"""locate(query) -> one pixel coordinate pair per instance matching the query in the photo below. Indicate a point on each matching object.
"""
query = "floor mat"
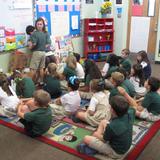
(145, 132)
(66, 135)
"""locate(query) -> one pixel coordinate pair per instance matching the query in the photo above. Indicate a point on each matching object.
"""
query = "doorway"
(152, 27)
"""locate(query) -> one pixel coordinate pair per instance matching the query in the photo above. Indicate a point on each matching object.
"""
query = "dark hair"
(123, 71)
(119, 104)
(97, 85)
(42, 98)
(154, 84)
(138, 72)
(20, 86)
(30, 29)
(77, 56)
(50, 59)
(73, 83)
(92, 70)
(40, 19)
(144, 56)
(4, 83)
(113, 60)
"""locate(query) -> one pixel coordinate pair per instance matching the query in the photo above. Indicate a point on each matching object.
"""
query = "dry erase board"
(15, 15)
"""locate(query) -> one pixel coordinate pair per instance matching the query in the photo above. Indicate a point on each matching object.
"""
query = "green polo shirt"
(68, 72)
(130, 87)
(40, 120)
(126, 64)
(152, 102)
(114, 91)
(111, 70)
(40, 40)
(28, 90)
(87, 80)
(119, 132)
(52, 86)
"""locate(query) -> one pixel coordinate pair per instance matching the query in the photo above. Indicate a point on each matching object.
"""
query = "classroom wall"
(87, 11)
(92, 11)
(120, 24)
(4, 61)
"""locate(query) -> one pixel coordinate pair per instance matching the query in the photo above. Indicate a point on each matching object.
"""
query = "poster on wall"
(118, 1)
(89, 1)
(137, 7)
(119, 12)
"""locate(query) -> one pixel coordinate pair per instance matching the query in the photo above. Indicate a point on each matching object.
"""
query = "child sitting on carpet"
(143, 60)
(150, 107)
(113, 138)
(52, 82)
(8, 98)
(36, 121)
(69, 103)
(79, 69)
(137, 79)
(99, 107)
(91, 72)
(117, 80)
(125, 61)
(24, 83)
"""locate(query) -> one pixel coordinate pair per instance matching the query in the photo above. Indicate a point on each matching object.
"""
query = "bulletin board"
(62, 17)
(15, 15)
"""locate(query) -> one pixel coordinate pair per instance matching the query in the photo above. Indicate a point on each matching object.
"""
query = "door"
(153, 26)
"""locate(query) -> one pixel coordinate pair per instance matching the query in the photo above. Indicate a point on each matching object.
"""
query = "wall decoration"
(119, 12)
(20, 40)
(89, 1)
(137, 7)
(15, 15)
(118, 1)
(62, 16)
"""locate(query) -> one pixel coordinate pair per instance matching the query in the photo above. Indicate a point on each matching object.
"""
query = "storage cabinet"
(98, 38)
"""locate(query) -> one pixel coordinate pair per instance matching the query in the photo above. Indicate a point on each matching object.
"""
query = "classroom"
(79, 79)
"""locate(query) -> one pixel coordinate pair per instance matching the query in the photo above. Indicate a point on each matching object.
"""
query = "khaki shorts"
(104, 148)
(37, 60)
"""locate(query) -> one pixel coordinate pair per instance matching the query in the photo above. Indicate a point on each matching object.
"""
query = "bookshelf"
(98, 38)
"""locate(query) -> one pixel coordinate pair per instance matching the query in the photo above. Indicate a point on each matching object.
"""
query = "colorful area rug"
(66, 135)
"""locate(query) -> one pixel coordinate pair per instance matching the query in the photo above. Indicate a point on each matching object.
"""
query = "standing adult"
(40, 41)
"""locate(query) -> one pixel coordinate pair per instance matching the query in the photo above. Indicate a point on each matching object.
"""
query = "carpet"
(66, 135)
(145, 132)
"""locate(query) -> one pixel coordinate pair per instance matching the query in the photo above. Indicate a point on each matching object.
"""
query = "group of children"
(117, 93)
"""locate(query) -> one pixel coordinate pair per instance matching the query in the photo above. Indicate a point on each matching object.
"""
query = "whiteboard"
(16, 14)
(139, 33)
(60, 23)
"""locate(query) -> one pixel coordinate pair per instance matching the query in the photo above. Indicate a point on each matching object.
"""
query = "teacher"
(40, 41)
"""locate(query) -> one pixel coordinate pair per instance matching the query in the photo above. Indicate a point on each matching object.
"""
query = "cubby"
(98, 37)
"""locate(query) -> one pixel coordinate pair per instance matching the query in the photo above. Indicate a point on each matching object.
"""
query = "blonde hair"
(117, 77)
(52, 69)
(126, 51)
(42, 98)
(71, 62)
